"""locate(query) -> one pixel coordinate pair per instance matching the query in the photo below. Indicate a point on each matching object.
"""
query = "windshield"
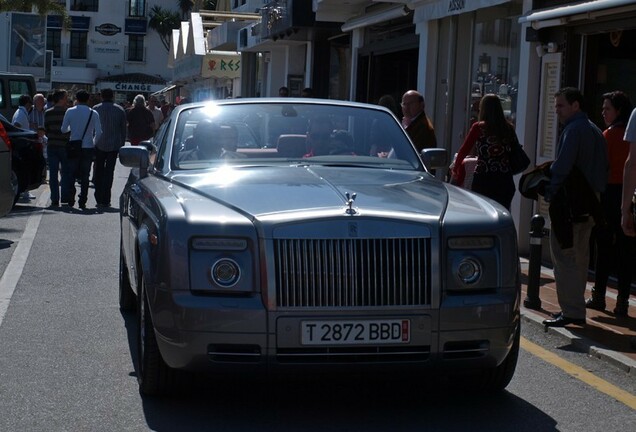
(276, 133)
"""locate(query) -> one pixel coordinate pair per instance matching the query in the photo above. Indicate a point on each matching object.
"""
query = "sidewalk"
(605, 336)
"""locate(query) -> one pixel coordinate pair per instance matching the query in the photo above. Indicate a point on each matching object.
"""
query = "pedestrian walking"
(415, 121)
(491, 139)
(84, 124)
(113, 121)
(56, 149)
(614, 248)
(21, 120)
(577, 177)
(141, 122)
(153, 106)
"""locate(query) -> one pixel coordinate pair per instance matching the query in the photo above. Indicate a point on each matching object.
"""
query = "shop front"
(467, 50)
(127, 86)
(590, 45)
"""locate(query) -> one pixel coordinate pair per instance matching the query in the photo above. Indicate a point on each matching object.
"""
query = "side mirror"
(435, 158)
(135, 157)
(149, 146)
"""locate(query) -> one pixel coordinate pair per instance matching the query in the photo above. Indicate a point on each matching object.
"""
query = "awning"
(576, 12)
(165, 90)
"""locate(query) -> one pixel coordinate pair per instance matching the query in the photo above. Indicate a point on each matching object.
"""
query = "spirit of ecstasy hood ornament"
(351, 198)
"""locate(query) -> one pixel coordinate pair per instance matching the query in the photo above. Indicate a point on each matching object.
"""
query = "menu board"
(547, 135)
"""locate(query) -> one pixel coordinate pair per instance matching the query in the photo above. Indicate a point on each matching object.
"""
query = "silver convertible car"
(277, 235)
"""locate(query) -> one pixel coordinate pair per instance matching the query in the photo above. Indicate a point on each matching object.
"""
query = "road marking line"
(580, 374)
(12, 273)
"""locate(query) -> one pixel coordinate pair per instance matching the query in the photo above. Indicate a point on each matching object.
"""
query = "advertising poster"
(28, 43)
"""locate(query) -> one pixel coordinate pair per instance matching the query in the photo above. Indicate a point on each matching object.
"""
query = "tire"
(127, 300)
(154, 376)
(497, 379)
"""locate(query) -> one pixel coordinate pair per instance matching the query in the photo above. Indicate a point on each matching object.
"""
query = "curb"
(588, 346)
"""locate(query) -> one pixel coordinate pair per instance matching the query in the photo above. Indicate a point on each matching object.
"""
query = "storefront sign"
(102, 50)
(137, 87)
(108, 29)
(221, 66)
(444, 8)
(135, 26)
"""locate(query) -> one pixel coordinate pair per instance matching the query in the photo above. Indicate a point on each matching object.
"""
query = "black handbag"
(74, 147)
(519, 160)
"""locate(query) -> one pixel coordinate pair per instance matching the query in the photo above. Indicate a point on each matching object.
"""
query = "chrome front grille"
(352, 272)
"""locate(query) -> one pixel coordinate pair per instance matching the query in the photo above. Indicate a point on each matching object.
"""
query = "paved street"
(66, 365)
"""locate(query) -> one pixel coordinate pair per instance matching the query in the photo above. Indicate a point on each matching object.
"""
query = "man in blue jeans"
(56, 148)
(84, 124)
(113, 120)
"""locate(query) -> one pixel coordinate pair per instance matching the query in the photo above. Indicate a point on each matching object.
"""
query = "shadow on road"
(327, 403)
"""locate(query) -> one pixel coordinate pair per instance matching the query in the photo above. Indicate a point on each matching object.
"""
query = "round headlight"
(469, 271)
(225, 272)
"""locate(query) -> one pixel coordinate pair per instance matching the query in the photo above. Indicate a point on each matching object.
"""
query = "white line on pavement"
(12, 273)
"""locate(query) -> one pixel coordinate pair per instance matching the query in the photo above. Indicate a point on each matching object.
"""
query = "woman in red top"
(614, 248)
(490, 139)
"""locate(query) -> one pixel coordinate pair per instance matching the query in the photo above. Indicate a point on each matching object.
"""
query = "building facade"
(108, 44)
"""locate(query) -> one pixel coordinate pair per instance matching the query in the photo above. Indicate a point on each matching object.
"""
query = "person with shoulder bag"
(85, 127)
(492, 139)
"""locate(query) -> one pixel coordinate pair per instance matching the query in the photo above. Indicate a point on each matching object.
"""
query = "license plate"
(355, 332)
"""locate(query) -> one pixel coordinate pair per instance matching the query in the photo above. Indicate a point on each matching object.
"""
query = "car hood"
(267, 192)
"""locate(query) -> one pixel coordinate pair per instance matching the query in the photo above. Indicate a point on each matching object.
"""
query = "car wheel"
(15, 186)
(154, 376)
(498, 378)
(126, 294)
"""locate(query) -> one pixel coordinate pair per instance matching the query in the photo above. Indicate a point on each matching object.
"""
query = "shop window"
(85, 5)
(136, 48)
(78, 45)
(137, 8)
(495, 59)
(54, 42)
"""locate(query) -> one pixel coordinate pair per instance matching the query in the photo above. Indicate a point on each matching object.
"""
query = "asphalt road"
(66, 363)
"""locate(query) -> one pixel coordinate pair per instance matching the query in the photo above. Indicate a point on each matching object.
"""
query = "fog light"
(225, 273)
(469, 271)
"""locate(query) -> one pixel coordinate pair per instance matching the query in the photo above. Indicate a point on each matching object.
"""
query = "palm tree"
(163, 21)
(42, 7)
(185, 6)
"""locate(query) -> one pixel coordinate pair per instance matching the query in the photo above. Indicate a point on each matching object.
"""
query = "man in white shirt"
(21, 116)
(84, 124)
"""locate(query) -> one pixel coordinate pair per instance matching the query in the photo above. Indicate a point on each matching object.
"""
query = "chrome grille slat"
(352, 273)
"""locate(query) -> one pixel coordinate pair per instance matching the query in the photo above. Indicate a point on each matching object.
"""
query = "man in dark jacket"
(113, 119)
(583, 146)
(417, 125)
